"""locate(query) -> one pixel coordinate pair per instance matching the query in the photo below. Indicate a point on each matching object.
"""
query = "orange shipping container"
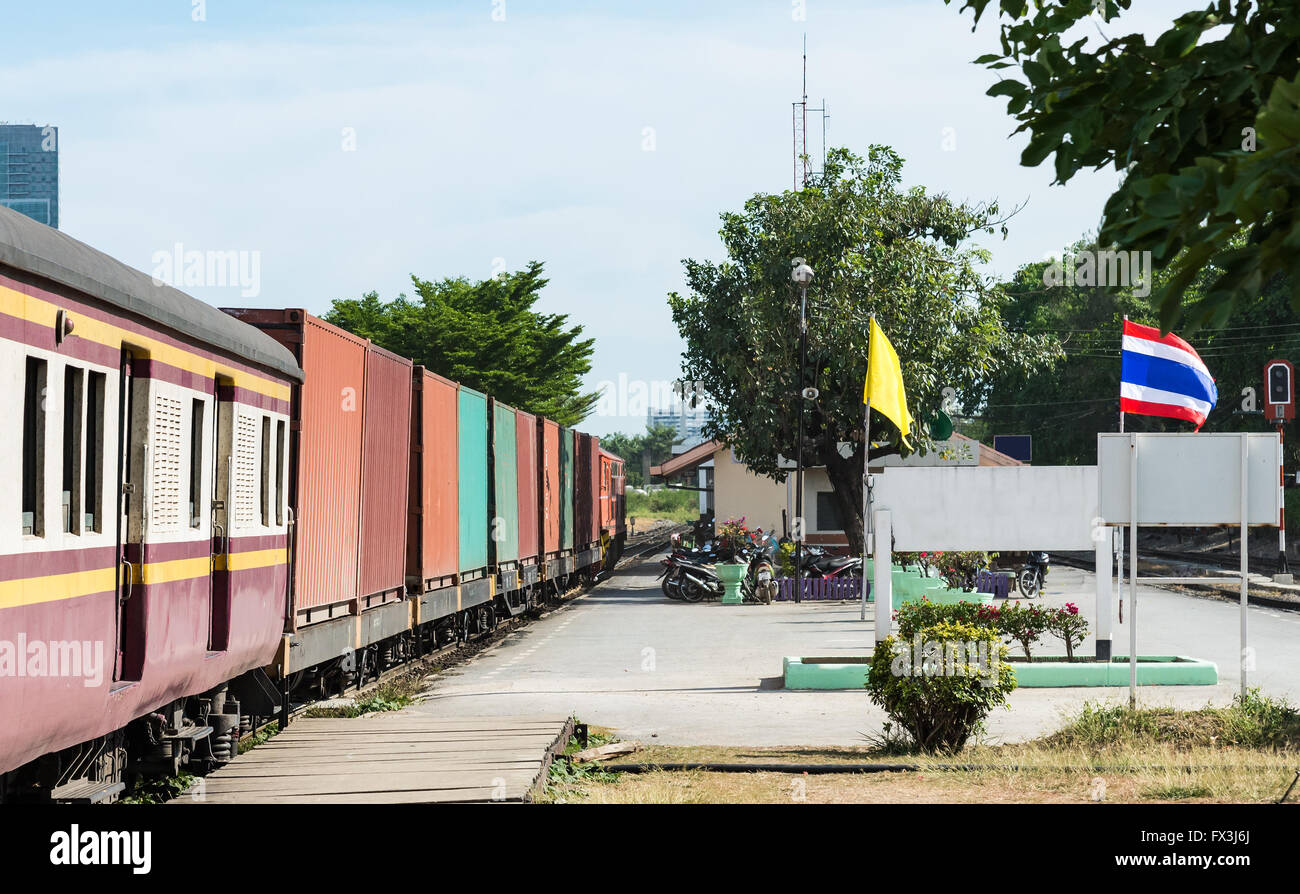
(435, 516)
(529, 495)
(328, 411)
(549, 466)
(384, 467)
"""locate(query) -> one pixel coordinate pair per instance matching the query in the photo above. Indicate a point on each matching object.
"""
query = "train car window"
(279, 472)
(92, 502)
(196, 463)
(266, 471)
(34, 449)
(72, 452)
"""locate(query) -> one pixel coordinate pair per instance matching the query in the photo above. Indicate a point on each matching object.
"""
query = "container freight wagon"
(548, 444)
(568, 468)
(586, 499)
(433, 533)
(613, 522)
(350, 420)
(530, 493)
(515, 505)
(472, 436)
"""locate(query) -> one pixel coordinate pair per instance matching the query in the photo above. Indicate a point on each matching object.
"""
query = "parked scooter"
(1033, 575)
(696, 581)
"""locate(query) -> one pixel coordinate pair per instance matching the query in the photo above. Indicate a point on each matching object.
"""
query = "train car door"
(223, 514)
(129, 661)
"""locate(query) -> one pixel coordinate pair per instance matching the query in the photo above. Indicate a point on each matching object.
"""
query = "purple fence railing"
(996, 582)
(827, 589)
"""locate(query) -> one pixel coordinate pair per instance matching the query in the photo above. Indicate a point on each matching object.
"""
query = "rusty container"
(504, 503)
(328, 413)
(472, 440)
(585, 510)
(433, 535)
(549, 485)
(530, 505)
(385, 464)
(568, 470)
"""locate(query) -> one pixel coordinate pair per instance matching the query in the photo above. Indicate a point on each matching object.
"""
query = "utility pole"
(802, 276)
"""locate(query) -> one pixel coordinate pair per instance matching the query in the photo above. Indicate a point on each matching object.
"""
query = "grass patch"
(568, 781)
(157, 789)
(1248, 752)
(1251, 721)
(389, 697)
(674, 505)
(261, 737)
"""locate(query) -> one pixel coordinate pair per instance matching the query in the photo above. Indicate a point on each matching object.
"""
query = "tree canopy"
(1204, 124)
(485, 335)
(875, 248)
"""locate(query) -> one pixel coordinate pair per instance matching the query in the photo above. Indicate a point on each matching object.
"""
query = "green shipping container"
(472, 440)
(568, 467)
(505, 480)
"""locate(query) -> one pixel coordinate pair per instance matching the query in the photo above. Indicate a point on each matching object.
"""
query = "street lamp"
(802, 276)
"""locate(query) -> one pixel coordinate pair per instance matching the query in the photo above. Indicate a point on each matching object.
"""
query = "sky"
(342, 147)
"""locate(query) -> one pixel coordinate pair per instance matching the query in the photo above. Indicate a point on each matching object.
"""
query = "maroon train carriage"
(143, 548)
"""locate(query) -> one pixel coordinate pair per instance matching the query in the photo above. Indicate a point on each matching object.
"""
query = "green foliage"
(1067, 625)
(785, 559)
(1024, 624)
(157, 789)
(1252, 721)
(941, 710)
(658, 440)
(677, 505)
(1204, 131)
(389, 697)
(875, 248)
(1065, 400)
(485, 335)
(262, 736)
(959, 568)
(912, 617)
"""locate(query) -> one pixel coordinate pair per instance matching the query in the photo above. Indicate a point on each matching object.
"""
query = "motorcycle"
(1033, 575)
(696, 581)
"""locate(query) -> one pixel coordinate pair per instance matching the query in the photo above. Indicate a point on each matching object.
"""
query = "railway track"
(457, 652)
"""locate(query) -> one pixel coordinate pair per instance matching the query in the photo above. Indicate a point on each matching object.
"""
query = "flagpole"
(866, 470)
(1119, 555)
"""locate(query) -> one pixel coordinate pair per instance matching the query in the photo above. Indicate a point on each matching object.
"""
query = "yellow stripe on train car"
(43, 313)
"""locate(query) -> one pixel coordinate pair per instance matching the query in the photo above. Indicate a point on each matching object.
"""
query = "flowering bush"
(958, 569)
(1070, 626)
(1024, 624)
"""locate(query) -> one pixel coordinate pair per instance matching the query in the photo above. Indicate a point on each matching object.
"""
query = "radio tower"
(800, 110)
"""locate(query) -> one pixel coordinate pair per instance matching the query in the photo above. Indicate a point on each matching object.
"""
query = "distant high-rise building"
(29, 171)
(688, 422)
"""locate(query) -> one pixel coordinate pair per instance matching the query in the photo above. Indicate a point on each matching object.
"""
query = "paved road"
(672, 673)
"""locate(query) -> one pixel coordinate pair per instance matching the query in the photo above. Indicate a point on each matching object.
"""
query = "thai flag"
(1162, 375)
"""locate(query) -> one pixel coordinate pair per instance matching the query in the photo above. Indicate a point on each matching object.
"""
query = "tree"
(658, 441)
(485, 335)
(1064, 402)
(1205, 133)
(875, 248)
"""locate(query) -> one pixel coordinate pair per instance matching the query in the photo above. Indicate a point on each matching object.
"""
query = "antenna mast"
(800, 110)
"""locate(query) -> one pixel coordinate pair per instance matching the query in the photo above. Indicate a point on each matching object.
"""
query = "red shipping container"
(434, 535)
(595, 488)
(529, 495)
(550, 485)
(586, 492)
(328, 418)
(385, 464)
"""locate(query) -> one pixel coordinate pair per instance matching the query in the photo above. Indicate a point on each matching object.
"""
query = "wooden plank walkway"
(397, 758)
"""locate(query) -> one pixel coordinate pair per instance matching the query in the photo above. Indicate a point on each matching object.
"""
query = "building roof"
(34, 248)
(684, 462)
(702, 453)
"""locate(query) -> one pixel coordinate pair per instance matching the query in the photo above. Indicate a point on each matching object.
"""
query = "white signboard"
(1188, 478)
(1010, 508)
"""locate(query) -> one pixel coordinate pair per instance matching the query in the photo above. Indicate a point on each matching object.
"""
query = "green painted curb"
(849, 672)
(1152, 670)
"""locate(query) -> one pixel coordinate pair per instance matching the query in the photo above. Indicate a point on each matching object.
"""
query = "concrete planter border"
(850, 672)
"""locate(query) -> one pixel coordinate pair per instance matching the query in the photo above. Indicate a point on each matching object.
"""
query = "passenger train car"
(209, 514)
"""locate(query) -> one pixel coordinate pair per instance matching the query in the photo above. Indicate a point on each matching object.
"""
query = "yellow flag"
(884, 387)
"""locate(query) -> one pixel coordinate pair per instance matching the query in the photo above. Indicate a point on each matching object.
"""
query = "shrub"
(1024, 624)
(959, 569)
(1070, 626)
(941, 697)
(913, 616)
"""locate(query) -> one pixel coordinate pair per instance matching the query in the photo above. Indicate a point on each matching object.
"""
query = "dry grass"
(1016, 773)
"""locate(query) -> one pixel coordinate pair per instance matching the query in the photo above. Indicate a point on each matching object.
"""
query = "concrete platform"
(397, 758)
